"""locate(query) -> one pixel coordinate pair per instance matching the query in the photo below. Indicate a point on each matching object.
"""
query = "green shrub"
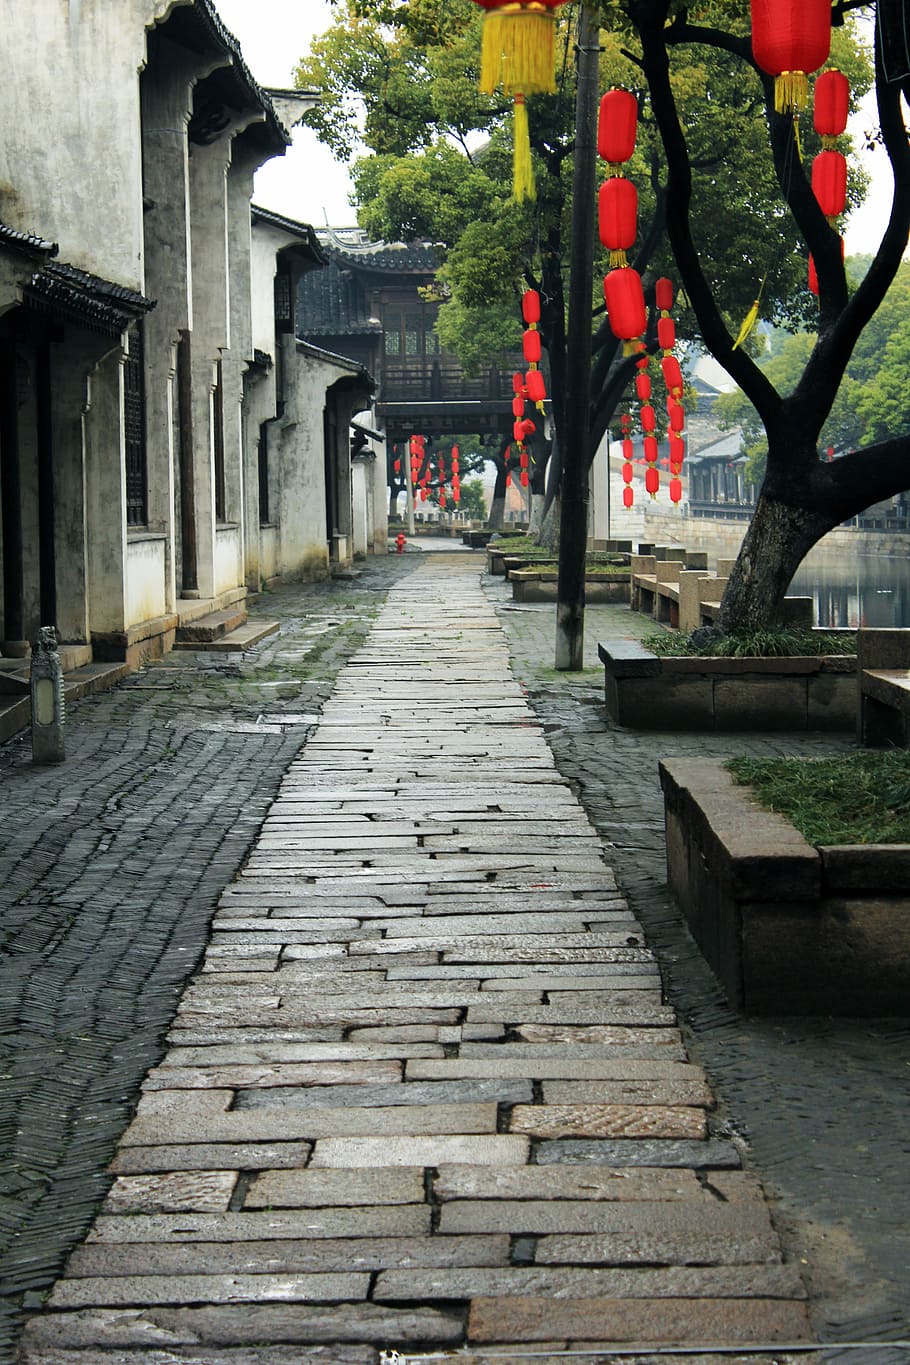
(861, 798)
(753, 644)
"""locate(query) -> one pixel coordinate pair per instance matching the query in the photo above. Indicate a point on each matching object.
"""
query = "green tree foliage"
(473, 502)
(437, 165)
(873, 401)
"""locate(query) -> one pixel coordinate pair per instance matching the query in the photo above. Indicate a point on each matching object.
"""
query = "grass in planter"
(754, 644)
(859, 798)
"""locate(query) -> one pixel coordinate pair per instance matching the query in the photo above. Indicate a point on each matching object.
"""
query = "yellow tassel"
(791, 91)
(618, 260)
(748, 324)
(522, 169)
(518, 51)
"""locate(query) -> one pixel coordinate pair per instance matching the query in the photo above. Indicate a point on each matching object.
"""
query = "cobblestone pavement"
(425, 1092)
(111, 866)
(112, 869)
(823, 1104)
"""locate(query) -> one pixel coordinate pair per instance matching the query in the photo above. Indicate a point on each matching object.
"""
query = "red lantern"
(518, 431)
(530, 306)
(530, 344)
(508, 480)
(628, 497)
(456, 495)
(652, 479)
(518, 382)
(677, 448)
(829, 183)
(617, 125)
(442, 498)
(524, 478)
(627, 448)
(397, 466)
(524, 459)
(831, 104)
(625, 300)
(643, 386)
(628, 472)
(617, 217)
(666, 334)
(675, 490)
(677, 417)
(518, 406)
(672, 373)
(536, 386)
(650, 448)
(663, 294)
(789, 40)
(648, 418)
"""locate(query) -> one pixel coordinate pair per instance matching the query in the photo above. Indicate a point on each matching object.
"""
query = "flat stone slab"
(311, 1189)
(131, 1290)
(172, 1192)
(214, 1156)
(249, 1324)
(306, 1124)
(381, 1096)
(567, 1182)
(551, 1068)
(398, 1220)
(505, 1150)
(205, 1355)
(617, 1321)
(570, 1282)
(288, 1256)
(643, 1152)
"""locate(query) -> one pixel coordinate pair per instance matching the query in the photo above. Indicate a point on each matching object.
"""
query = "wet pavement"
(120, 863)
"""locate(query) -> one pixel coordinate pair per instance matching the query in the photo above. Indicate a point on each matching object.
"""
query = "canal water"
(857, 590)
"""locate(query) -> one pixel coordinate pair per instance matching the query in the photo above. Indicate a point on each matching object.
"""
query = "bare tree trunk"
(778, 539)
(496, 519)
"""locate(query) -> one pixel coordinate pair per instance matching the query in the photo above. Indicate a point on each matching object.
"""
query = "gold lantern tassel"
(751, 317)
(791, 91)
(518, 50)
(522, 169)
(618, 260)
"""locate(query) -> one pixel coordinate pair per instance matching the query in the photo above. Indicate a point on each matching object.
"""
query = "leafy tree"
(802, 496)
(439, 165)
(473, 502)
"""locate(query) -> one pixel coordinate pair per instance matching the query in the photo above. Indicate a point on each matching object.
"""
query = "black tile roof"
(96, 303)
(26, 242)
(353, 248)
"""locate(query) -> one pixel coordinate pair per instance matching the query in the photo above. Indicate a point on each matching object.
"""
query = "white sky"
(309, 185)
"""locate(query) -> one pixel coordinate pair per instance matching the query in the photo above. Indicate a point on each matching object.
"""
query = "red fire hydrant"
(400, 542)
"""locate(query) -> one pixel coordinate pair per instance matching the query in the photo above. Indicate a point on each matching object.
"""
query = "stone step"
(15, 711)
(196, 634)
(243, 637)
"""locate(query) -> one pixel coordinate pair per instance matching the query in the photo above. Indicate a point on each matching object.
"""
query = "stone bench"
(883, 675)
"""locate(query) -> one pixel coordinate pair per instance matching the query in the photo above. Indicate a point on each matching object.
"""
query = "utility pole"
(573, 519)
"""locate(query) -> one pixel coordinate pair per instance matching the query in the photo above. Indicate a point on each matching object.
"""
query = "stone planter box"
(650, 693)
(539, 585)
(785, 927)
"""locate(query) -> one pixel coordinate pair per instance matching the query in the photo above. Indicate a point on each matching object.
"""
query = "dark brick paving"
(110, 867)
(823, 1105)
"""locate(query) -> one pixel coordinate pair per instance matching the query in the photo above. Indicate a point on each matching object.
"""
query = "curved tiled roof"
(352, 247)
(26, 242)
(95, 302)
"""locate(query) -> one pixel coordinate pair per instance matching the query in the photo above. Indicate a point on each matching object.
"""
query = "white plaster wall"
(359, 473)
(146, 595)
(300, 505)
(267, 242)
(227, 558)
(70, 155)
(268, 551)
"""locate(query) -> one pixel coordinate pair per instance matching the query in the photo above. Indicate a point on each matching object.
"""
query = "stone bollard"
(46, 687)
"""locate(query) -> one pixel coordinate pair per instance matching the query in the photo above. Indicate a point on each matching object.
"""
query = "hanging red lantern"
(677, 417)
(536, 386)
(675, 490)
(789, 40)
(829, 183)
(518, 406)
(523, 476)
(456, 495)
(397, 466)
(524, 459)
(643, 386)
(617, 217)
(628, 448)
(625, 300)
(648, 418)
(617, 125)
(672, 374)
(652, 479)
(650, 449)
(442, 497)
(530, 345)
(666, 334)
(518, 382)
(530, 306)
(663, 294)
(628, 472)
(628, 496)
(423, 495)
(813, 274)
(677, 448)
(508, 479)
(831, 105)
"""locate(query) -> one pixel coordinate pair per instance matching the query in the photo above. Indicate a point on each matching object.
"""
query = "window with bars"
(134, 422)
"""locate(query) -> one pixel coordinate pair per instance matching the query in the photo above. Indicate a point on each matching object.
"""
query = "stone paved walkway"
(424, 1091)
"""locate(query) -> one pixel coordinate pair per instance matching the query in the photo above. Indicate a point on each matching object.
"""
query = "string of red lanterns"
(829, 169)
